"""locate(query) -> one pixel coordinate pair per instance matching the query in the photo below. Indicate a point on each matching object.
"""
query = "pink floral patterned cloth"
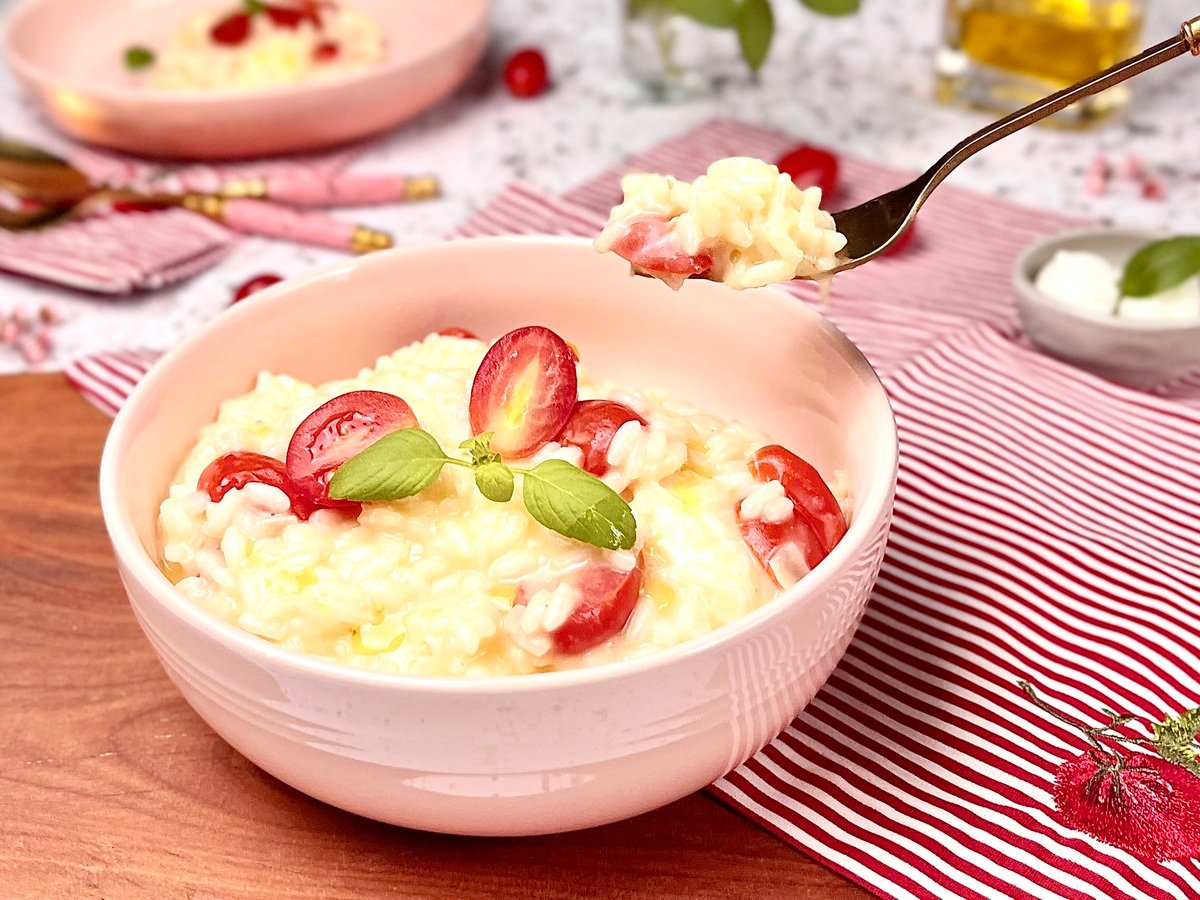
(1017, 715)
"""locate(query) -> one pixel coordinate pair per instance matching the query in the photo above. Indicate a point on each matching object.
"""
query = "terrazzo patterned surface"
(859, 89)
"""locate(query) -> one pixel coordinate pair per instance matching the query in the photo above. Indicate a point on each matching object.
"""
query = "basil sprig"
(1160, 266)
(560, 496)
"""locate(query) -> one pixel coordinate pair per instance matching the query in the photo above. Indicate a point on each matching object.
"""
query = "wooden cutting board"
(111, 787)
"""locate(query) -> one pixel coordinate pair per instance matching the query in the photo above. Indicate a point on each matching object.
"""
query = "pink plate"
(69, 56)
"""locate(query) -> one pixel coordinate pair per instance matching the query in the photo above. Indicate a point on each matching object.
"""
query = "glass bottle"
(1000, 55)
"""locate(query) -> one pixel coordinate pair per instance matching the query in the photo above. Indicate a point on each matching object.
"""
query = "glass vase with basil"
(684, 48)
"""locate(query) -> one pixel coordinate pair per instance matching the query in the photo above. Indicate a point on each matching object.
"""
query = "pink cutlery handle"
(304, 188)
(275, 220)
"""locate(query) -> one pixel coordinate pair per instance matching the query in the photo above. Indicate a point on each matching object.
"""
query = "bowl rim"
(1027, 292)
(26, 68)
(873, 508)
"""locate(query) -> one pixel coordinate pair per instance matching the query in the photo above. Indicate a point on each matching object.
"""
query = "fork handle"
(1188, 40)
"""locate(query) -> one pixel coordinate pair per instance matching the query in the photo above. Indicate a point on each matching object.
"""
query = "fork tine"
(871, 226)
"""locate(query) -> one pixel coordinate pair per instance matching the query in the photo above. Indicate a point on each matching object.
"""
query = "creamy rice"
(426, 585)
(271, 55)
(758, 227)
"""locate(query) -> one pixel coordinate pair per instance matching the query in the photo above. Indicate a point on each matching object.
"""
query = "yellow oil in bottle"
(1002, 54)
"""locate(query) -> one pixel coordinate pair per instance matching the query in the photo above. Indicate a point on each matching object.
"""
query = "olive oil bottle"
(1003, 54)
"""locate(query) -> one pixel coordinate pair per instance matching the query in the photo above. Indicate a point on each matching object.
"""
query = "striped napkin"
(118, 253)
(1017, 716)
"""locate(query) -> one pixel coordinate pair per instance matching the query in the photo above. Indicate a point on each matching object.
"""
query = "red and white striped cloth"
(1045, 531)
(1045, 528)
(107, 379)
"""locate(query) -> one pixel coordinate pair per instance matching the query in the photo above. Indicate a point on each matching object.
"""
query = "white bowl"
(1135, 352)
(68, 55)
(522, 754)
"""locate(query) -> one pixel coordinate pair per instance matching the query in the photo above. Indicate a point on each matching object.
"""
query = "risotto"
(462, 577)
(265, 44)
(743, 223)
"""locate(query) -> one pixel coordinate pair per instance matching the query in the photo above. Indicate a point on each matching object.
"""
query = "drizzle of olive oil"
(173, 571)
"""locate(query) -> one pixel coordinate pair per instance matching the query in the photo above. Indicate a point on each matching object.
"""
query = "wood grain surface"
(111, 787)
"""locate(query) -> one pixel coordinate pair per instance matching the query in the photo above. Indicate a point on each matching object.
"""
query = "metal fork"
(871, 227)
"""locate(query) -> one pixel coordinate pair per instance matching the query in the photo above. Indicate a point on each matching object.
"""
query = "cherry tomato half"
(326, 51)
(336, 431)
(591, 428)
(607, 597)
(805, 488)
(524, 390)
(231, 30)
(292, 16)
(458, 333)
(791, 548)
(652, 247)
(234, 471)
(811, 166)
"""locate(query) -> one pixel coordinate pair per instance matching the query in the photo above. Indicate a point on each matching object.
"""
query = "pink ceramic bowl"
(68, 55)
(523, 754)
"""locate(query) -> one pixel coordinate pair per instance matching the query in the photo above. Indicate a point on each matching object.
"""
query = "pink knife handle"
(278, 221)
(303, 188)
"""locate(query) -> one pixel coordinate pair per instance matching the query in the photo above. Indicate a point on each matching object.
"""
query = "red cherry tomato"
(591, 428)
(234, 471)
(526, 74)
(793, 547)
(284, 16)
(651, 246)
(524, 390)
(336, 431)
(292, 16)
(811, 167)
(607, 597)
(906, 238)
(231, 30)
(326, 51)
(805, 488)
(254, 285)
(458, 333)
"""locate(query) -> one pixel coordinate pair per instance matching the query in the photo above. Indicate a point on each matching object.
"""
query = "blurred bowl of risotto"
(448, 707)
(223, 79)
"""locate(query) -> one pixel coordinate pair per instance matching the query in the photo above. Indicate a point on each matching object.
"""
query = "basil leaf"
(832, 7)
(755, 26)
(138, 57)
(577, 505)
(397, 465)
(479, 448)
(495, 481)
(1160, 266)
(254, 7)
(714, 13)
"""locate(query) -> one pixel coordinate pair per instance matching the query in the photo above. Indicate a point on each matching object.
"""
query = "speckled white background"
(862, 85)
